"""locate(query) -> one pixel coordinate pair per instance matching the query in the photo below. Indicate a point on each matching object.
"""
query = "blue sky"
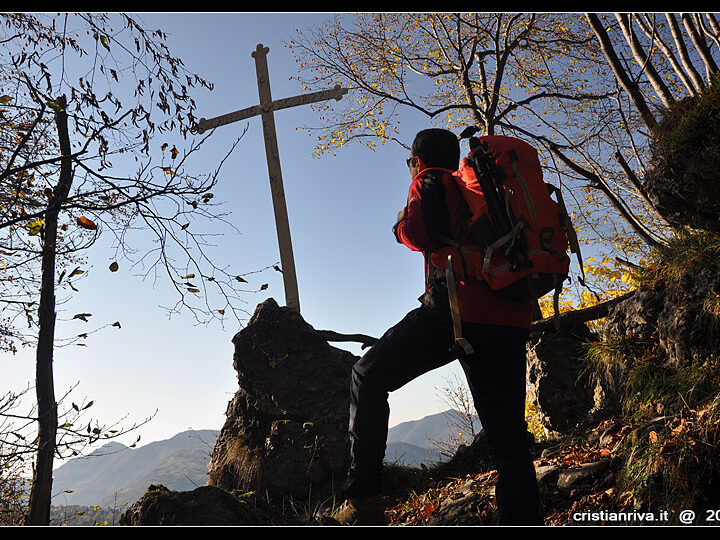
(353, 277)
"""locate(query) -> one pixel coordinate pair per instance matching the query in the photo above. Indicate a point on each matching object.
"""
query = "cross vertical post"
(265, 110)
(282, 226)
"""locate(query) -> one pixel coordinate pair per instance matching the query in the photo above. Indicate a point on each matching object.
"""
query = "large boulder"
(559, 385)
(671, 322)
(285, 432)
(204, 506)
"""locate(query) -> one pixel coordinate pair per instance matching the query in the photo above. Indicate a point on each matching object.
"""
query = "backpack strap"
(461, 346)
(523, 185)
(569, 229)
(505, 239)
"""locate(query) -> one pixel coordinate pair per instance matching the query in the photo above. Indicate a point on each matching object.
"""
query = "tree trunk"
(701, 46)
(643, 61)
(682, 50)
(632, 89)
(598, 183)
(650, 31)
(41, 493)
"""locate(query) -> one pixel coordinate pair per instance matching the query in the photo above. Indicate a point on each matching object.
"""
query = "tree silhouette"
(85, 98)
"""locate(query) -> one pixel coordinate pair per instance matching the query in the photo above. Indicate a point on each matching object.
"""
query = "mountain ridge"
(113, 468)
(116, 475)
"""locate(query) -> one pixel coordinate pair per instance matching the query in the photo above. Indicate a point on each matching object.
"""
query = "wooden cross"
(265, 110)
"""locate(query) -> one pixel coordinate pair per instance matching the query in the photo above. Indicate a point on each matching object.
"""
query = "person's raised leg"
(417, 344)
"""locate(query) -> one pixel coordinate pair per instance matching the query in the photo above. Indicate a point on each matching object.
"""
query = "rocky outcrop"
(285, 432)
(560, 389)
(671, 316)
(684, 198)
(204, 506)
(682, 181)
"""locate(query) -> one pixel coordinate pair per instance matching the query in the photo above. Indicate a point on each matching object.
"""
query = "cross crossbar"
(336, 93)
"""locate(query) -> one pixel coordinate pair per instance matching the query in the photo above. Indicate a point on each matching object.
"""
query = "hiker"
(496, 328)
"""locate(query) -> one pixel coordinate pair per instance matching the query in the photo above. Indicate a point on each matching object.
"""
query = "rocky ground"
(575, 476)
(656, 375)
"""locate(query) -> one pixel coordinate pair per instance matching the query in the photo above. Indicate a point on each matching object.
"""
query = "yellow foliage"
(445, 66)
(532, 419)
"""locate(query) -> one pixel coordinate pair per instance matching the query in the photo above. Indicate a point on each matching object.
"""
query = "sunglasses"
(410, 161)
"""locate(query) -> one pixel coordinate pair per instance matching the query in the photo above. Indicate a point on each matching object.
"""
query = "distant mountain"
(114, 475)
(416, 442)
(400, 453)
(429, 430)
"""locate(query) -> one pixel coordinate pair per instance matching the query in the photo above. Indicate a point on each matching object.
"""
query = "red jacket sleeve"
(411, 231)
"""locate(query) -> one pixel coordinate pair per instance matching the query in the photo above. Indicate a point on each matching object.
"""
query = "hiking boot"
(362, 511)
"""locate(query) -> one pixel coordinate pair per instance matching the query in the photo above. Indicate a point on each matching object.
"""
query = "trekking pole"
(490, 177)
(487, 173)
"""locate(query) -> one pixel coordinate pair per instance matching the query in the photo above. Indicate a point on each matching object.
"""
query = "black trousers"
(495, 373)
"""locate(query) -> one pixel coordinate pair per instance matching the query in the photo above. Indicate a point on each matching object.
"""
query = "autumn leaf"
(240, 280)
(263, 287)
(76, 272)
(85, 223)
(221, 311)
(680, 428)
(193, 290)
(163, 147)
(82, 316)
(116, 324)
(104, 41)
(114, 266)
(173, 152)
(34, 227)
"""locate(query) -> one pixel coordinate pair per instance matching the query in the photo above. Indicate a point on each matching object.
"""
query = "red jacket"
(435, 205)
